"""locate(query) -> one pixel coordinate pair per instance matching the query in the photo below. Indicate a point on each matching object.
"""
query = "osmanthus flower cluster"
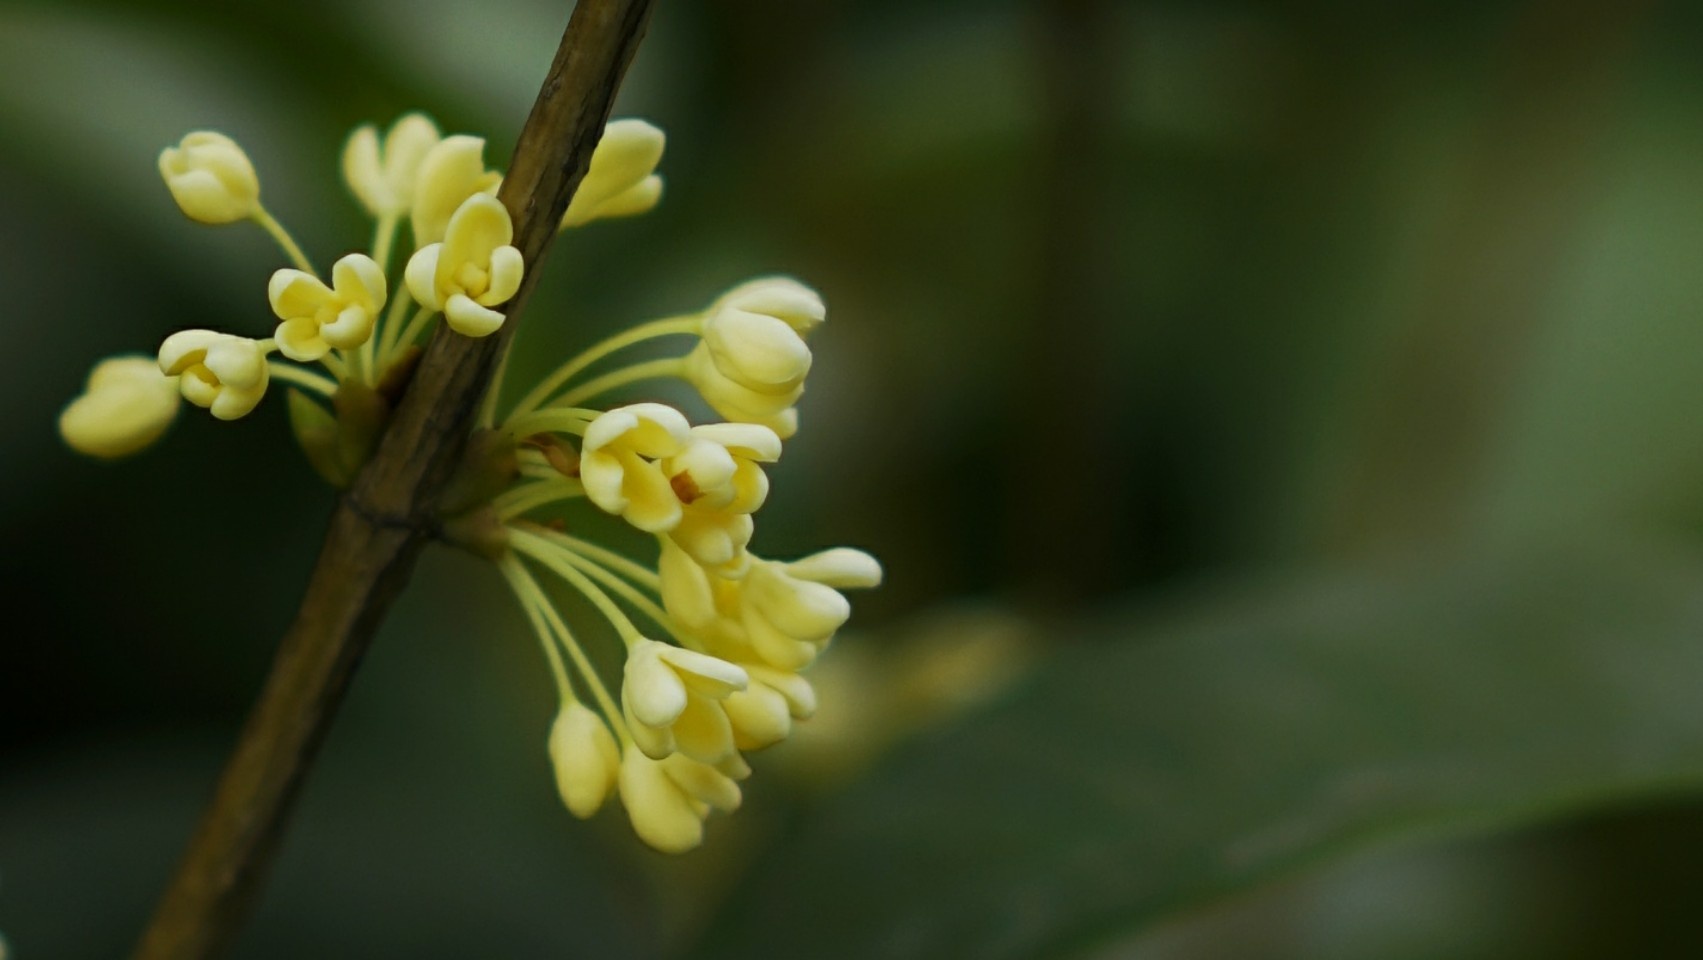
(713, 636)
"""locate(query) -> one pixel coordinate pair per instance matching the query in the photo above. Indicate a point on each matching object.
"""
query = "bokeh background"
(1279, 422)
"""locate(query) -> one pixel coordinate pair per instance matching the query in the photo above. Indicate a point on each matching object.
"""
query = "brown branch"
(388, 514)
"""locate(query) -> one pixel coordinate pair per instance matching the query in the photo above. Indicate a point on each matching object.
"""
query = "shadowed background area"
(1278, 421)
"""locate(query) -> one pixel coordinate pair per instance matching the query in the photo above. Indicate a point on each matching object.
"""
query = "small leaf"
(316, 431)
(361, 416)
(1252, 734)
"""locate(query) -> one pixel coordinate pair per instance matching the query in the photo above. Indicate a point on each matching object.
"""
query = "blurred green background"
(1278, 420)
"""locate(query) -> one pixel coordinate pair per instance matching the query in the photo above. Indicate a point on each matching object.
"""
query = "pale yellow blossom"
(719, 481)
(225, 374)
(755, 333)
(472, 270)
(211, 178)
(672, 699)
(619, 463)
(382, 176)
(621, 180)
(585, 757)
(126, 405)
(317, 318)
(451, 171)
(667, 800)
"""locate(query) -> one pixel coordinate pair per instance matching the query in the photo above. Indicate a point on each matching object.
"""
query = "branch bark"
(383, 521)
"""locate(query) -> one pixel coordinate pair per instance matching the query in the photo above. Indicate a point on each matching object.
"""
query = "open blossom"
(211, 178)
(667, 800)
(585, 757)
(472, 270)
(382, 175)
(720, 483)
(451, 171)
(621, 180)
(783, 613)
(317, 318)
(126, 406)
(619, 463)
(672, 698)
(720, 466)
(223, 373)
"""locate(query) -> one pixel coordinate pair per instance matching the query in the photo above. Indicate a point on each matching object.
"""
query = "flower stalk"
(388, 514)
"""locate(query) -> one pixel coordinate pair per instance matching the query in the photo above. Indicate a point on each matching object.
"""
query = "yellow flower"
(450, 173)
(713, 610)
(618, 463)
(671, 697)
(585, 757)
(791, 610)
(317, 318)
(382, 177)
(755, 333)
(781, 614)
(211, 178)
(224, 373)
(718, 467)
(472, 270)
(719, 483)
(667, 800)
(126, 406)
(620, 181)
(762, 713)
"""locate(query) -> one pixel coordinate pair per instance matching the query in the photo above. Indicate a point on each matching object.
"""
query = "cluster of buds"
(462, 269)
(714, 637)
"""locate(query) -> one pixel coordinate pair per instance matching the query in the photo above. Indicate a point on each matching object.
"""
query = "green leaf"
(1245, 736)
(316, 431)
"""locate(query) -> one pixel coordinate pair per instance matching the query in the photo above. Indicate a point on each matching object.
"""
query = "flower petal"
(469, 319)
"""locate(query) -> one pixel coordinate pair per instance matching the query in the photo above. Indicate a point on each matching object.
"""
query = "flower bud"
(211, 178)
(739, 403)
(126, 406)
(620, 182)
(585, 757)
(755, 333)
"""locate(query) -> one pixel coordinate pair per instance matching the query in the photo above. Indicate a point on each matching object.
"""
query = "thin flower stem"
(555, 558)
(513, 503)
(411, 332)
(301, 377)
(533, 594)
(271, 225)
(626, 591)
(384, 236)
(553, 420)
(668, 326)
(488, 404)
(635, 572)
(338, 368)
(649, 370)
(399, 304)
(515, 575)
(534, 466)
